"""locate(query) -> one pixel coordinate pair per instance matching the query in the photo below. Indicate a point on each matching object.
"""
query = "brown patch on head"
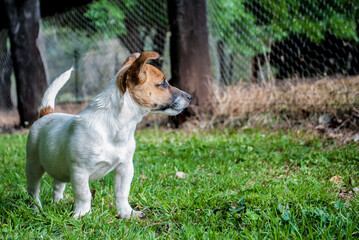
(46, 110)
(138, 69)
(149, 93)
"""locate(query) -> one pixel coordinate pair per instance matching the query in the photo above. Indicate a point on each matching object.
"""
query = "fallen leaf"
(143, 177)
(180, 175)
(337, 180)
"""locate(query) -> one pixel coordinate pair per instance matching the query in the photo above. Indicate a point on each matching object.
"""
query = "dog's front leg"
(122, 179)
(82, 194)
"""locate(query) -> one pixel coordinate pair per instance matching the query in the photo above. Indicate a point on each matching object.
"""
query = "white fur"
(49, 97)
(84, 147)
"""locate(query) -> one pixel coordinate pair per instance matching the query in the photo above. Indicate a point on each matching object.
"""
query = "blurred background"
(276, 63)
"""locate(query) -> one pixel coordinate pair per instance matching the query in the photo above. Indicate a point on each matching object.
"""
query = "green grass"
(238, 185)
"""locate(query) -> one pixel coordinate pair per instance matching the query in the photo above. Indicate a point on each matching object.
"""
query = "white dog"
(87, 146)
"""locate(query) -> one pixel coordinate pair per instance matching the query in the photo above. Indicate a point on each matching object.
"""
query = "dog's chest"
(112, 154)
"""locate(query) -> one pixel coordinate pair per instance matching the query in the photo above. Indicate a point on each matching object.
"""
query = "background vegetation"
(258, 41)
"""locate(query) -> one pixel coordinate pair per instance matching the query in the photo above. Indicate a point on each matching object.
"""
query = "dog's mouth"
(174, 108)
(179, 101)
(170, 109)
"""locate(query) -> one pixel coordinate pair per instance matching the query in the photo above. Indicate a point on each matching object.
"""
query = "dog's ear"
(137, 71)
(121, 78)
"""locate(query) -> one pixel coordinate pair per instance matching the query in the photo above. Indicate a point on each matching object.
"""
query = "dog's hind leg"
(82, 194)
(59, 188)
(34, 172)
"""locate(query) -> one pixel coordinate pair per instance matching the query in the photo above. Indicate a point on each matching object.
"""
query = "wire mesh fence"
(80, 38)
(260, 39)
(254, 41)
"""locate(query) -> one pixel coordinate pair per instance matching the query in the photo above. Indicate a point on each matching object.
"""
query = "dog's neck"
(114, 110)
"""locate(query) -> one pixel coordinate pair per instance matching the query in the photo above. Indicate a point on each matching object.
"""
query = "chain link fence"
(254, 41)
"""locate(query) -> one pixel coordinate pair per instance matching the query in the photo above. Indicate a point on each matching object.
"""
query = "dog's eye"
(163, 84)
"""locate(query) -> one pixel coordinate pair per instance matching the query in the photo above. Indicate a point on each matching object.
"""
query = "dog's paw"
(36, 206)
(78, 213)
(131, 214)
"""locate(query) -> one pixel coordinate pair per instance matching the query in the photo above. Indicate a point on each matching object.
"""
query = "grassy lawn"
(237, 184)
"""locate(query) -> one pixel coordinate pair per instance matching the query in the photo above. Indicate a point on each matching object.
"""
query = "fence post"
(76, 57)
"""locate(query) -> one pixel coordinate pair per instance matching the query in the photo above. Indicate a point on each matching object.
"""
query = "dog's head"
(148, 86)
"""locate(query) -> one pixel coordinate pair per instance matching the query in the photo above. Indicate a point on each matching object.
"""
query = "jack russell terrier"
(84, 147)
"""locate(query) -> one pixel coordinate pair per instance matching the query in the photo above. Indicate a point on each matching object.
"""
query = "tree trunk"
(190, 60)
(5, 74)
(24, 25)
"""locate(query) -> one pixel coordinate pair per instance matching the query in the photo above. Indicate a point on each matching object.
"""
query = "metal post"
(76, 56)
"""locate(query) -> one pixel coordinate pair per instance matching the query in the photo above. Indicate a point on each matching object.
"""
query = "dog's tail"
(48, 101)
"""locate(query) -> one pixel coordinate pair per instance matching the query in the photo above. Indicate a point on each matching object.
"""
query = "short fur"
(87, 146)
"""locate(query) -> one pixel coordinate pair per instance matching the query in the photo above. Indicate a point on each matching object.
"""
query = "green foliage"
(107, 17)
(232, 23)
(249, 27)
(237, 185)
(311, 18)
(140, 12)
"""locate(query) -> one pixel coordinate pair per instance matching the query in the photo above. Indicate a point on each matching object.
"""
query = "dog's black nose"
(189, 97)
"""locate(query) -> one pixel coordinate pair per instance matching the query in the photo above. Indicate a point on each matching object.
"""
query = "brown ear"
(137, 70)
(121, 78)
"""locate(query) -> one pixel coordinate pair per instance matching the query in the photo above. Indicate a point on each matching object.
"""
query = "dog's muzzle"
(179, 102)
